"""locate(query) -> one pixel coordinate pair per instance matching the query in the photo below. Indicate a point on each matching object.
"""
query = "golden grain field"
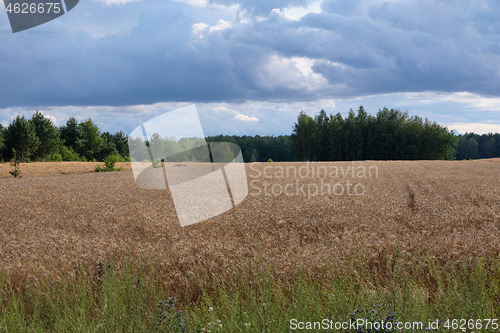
(61, 215)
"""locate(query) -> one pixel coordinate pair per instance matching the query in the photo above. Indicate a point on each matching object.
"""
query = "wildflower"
(210, 309)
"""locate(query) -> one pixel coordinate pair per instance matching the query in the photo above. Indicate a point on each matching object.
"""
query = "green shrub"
(120, 158)
(68, 154)
(55, 157)
(64, 154)
(109, 165)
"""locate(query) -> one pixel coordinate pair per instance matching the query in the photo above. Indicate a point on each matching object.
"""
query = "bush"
(109, 162)
(55, 157)
(68, 154)
(109, 165)
(118, 157)
(64, 154)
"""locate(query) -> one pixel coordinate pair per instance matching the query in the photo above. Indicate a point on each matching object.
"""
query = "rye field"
(313, 245)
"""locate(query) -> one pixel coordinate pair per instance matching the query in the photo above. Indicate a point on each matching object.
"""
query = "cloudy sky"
(250, 66)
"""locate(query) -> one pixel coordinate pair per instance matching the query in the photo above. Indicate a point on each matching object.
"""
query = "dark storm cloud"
(145, 52)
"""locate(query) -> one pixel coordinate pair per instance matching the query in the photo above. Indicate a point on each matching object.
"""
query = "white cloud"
(224, 109)
(475, 101)
(478, 128)
(292, 73)
(197, 3)
(199, 30)
(221, 25)
(243, 117)
(296, 13)
(50, 117)
(237, 115)
(9, 114)
(469, 99)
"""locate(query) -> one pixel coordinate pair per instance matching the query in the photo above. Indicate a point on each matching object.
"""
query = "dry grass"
(38, 169)
(445, 210)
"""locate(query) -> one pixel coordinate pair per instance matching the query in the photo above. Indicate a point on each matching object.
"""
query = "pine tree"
(21, 137)
(47, 134)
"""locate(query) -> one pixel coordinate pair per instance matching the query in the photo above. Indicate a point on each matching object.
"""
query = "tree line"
(260, 148)
(388, 135)
(253, 148)
(38, 139)
(474, 146)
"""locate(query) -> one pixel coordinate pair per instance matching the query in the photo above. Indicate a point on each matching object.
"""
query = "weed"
(170, 319)
(373, 321)
(101, 271)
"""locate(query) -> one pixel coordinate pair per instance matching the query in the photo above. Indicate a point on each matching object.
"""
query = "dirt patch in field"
(445, 210)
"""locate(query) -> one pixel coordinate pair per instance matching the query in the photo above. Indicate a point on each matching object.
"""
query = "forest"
(389, 135)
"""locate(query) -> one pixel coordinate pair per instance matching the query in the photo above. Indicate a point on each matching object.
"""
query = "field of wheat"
(61, 216)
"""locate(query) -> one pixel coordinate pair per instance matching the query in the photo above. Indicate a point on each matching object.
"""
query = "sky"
(250, 66)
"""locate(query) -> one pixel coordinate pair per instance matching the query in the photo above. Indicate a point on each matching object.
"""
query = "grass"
(422, 243)
(133, 297)
(109, 165)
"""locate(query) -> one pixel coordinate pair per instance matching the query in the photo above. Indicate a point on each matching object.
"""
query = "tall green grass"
(134, 298)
